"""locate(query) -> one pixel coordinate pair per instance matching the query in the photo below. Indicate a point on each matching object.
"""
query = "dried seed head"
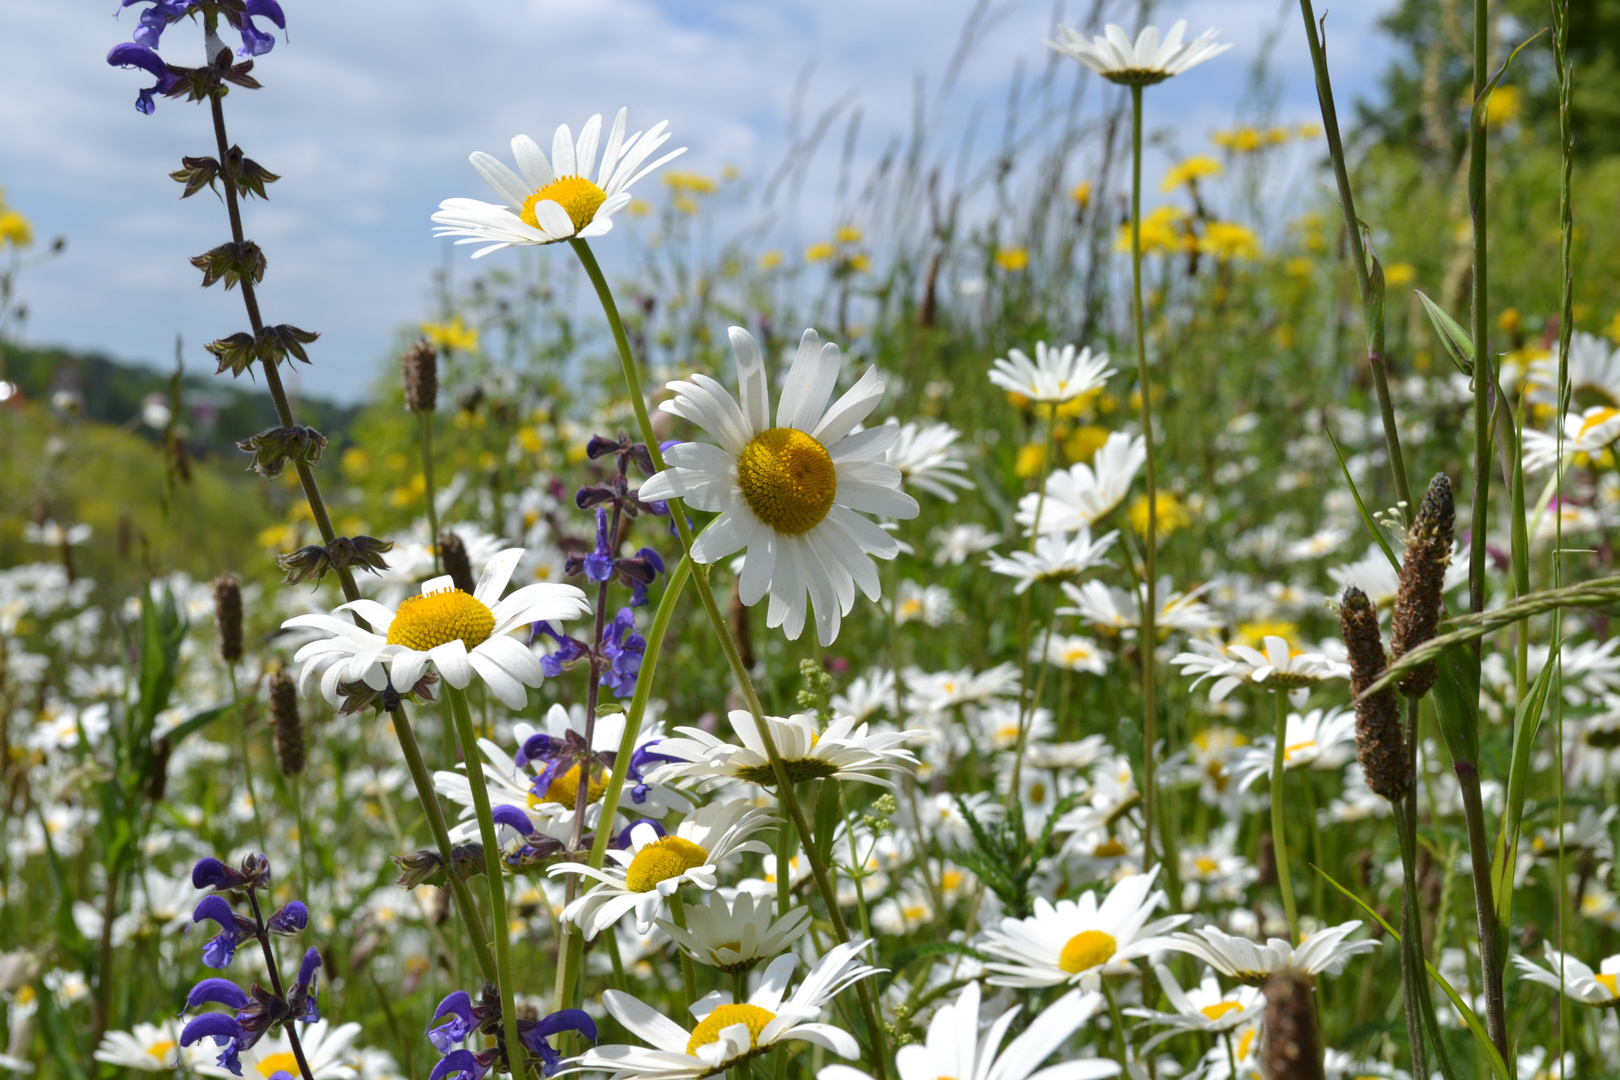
(285, 724)
(1423, 574)
(421, 368)
(1380, 745)
(228, 617)
(1265, 863)
(1292, 1049)
(453, 557)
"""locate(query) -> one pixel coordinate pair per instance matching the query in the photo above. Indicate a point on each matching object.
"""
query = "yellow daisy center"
(1219, 1009)
(1293, 748)
(564, 789)
(578, 197)
(432, 619)
(161, 1050)
(664, 858)
(1598, 418)
(274, 1063)
(788, 479)
(1086, 950)
(723, 1017)
(1206, 865)
(1607, 982)
(1108, 849)
(1246, 1042)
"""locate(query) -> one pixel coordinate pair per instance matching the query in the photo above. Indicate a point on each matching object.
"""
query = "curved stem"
(1150, 606)
(1279, 838)
(456, 700)
(728, 645)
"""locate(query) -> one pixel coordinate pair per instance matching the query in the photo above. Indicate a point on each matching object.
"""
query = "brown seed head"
(1423, 574)
(421, 369)
(285, 724)
(1292, 1050)
(228, 617)
(453, 557)
(1380, 745)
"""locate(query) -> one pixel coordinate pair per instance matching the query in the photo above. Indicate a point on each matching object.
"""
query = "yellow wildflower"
(1504, 106)
(686, 204)
(1253, 634)
(729, 172)
(820, 252)
(695, 183)
(1030, 456)
(1083, 406)
(1170, 517)
(1509, 321)
(354, 462)
(1227, 240)
(1299, 267)
(1081, 194)
(454, 334)
(1162, 231)
(849, 234)
(1398, 274)
(860, 262)
(15, 229)
(1083, 445)
(770, 260)
(1012, 259)
(1309, 130)
(1276, 135)
(1244, 140)
(1190, 171)
(639, 207)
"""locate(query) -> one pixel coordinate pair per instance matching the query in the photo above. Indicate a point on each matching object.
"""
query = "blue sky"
(372, 106)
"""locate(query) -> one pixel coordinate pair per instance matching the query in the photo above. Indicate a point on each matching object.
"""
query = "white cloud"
(371, 108)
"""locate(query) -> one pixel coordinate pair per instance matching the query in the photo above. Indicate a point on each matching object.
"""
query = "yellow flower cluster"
(1189, 171)
(15, 230)
(838, 250)
(454, 334)
(1249, 140)
(1170, 515)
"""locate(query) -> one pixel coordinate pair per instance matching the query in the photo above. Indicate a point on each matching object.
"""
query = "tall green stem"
(457, 702)
(1279, 837)
(728, 645)
(677, 915)
(1149, 638)
(1478, 140)
(424, 438)
(247, 762)
(1028, 702)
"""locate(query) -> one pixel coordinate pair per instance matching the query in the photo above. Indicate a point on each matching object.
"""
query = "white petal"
(531, 160)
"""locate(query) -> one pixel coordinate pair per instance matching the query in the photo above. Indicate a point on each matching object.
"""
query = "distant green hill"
(216, 410)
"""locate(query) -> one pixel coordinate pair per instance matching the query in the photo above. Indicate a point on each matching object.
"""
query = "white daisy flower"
(1073, 653)
(736, 936)
(1320, 739)
(1206, 1008)
(925, 459)
(460, 634)
(1114, 611)
(655, 867)
(1054, 376)
(327, 1049)
(959, 543)
(845, 750)
(1079, 497)
(1056, 558)
(1589, 432)
(1251, 963)
(1594, 371)
(1078, 941)
(1373, 575)
(147, 1048)
(727, 1031)
(793, 494)
(953, 1048)
(931, 605)
(866, 695)
(934, 695)
(554, 200)
(1575, 979)
(1279, 667)
(1144, 62)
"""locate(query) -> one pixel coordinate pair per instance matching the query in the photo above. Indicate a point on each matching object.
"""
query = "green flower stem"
(677, 915)
(1122, 1052)
(1148, 640)
(784, 864)
(441, 838)
(1279, 838)
(247, 764)
(424, 439)
(456, 700)
(728, 645)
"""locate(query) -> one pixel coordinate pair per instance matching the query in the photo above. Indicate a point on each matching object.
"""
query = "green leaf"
(1366, 518)
(1456, 693)
(1459, 345)
(1526, 726)
(196, 722)
(1488, 1048)
(1372, 308)
(1476, 118)
(828, 814)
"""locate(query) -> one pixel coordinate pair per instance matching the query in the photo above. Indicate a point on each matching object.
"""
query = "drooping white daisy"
(1319, 739)
(1054, 376)
(1251, 963)
(1056, 558)
(1147, 60)
(1279, 667)
(1206, 1008)
(655, 867)
(556, 199)
(736, 936)
(953, 1049)
(792, 494)
(1590, 432)
(1079, 497)
(147, 1048)
(925, 459)
(728, 1032)
(845, 750)
(460, 634)
(1573, 978)
(1078, 941)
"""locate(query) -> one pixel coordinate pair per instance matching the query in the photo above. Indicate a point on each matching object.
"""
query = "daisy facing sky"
(554, 199)
(792, 494)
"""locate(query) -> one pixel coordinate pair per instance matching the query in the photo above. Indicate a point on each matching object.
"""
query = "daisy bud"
(1423, 573)
(1380, 746)
(421, 368)
(453, 557)
(1292, 1050)
(285, 724)
(228, 617)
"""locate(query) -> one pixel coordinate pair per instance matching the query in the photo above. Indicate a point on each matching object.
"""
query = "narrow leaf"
(1366, 518)
(1459, 345)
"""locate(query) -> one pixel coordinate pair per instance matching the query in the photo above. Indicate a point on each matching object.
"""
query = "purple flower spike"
(599, 563)
(216, 992)
(565, 1020)
(460, 1065)
(290, 919)
(513, 819)
(256, 42)
(224, 1030)
(221, 948)
(139, 56)
(461, 1023)
(210, 873)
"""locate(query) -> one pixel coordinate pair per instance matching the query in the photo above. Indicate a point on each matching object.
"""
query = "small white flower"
(1574, 979)
(845, 750)
(736, 936)
(1054, 376)
(960, 543)
(1251, 963)
(1590, 432)
(925, 459)
(1277, 668)
(1114, 611)
(931, 605)
(1320, 739)
(1079, 497)
(1056, 558)
(1206, 1009)
(1147, 60)
(147, 1048)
